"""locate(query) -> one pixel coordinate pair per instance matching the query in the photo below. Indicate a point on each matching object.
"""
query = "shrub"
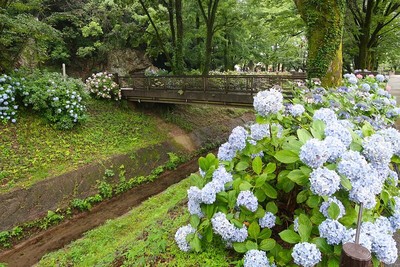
(59, 99)
(102, 85)
(9, 88)
(286, 190)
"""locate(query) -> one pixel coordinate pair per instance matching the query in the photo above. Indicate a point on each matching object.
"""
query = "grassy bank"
(31, 150)
(143, 237)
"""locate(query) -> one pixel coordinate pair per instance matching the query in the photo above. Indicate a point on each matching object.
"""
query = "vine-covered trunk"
(325, 21)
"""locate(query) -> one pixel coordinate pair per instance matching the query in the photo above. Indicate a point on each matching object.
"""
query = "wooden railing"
(235, 90)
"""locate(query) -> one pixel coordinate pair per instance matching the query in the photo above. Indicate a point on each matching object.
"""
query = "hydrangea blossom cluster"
(333, 165)
(324, 182)
(377, 150)
(340, 132)
(8, 91)
(326, 115)
(248, 200)
(102, 85)
(296, 110)
(194, 201)
(314, 153)
(306, 254)
(333, 231)
(268, 221)
(226, 230)
(268, 102)
(256, 258)
(180, 237)
(335, 148)
(259, 131)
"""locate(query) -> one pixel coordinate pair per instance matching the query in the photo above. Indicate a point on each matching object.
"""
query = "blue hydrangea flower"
(296, 224)
(226, 230)
(324, 182)
(210, 190)
(259, 131)
(237, 138)
(380, 78)
(221, 175)
(333, 231)
(395, 221)
(335, 148)
(392, 136)
(326, 115)
(362, 195)
(306, 254)
(226, 152)
(248, 200)
(256, 258)
(383, 225)
(268, 221)
(352, 165)
(296, 110)
(384, 247)
(365, 87)
(180, 237)
(364, 240)
(194, 201)
(353, 80)
(268, 102)
(340, 132)
(326, 204)
(314, 153)
(377, 150)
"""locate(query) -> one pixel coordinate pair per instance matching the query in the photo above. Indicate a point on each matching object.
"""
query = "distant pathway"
(394, 82)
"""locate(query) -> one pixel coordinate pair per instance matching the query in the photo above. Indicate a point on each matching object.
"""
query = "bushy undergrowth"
(60, 100)
(286, 190)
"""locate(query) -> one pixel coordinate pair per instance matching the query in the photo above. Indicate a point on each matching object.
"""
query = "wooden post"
(63, 70)
(355, 255)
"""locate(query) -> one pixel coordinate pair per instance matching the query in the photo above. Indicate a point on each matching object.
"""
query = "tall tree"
(324, 21)
(209, 13)
(373, 20)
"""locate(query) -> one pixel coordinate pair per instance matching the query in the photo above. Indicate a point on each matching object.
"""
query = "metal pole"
(359, 224)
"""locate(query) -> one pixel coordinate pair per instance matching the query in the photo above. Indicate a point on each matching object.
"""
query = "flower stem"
(359, 223)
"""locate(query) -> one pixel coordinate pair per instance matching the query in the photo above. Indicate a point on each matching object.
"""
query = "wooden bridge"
(232, 90)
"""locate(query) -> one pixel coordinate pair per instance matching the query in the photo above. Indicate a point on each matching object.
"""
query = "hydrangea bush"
(286, 190)
(59, 99)
(9, 88)
(102, 85)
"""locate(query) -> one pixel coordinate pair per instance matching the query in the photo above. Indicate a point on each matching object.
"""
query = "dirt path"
(29, 252)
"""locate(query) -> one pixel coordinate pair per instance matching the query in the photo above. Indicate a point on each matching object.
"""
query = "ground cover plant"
(141, 238)
(31, 149)
(286, 190)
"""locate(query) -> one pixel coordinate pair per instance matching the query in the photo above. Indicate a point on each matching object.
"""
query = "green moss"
(325, 20)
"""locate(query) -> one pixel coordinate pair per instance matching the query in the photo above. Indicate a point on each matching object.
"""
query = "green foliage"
(141, 238)
(61, 100)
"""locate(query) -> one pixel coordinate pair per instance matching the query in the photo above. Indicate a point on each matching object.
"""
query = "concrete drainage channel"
(24, 205)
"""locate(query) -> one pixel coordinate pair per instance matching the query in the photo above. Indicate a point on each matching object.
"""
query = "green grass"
(31, 149)
(143, 237)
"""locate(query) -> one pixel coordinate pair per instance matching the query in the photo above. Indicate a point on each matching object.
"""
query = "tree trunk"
(209, 19)
(325, 21)
(179, 38)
